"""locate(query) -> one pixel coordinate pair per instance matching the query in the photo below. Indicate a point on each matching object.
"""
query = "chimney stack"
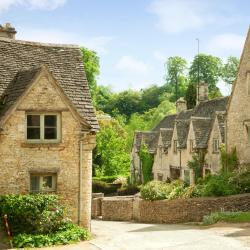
(7, 31)
(202, 92)
(181, 105)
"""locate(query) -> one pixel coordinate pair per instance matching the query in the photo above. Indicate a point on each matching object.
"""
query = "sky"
(134, 38)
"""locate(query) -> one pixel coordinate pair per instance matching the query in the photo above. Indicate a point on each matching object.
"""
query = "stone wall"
(18, 158)
(173, 211)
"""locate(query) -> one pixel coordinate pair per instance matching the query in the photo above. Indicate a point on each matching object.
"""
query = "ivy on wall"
(147, 161)
(229, 161)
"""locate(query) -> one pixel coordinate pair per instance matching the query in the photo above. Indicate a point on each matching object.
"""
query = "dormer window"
(43, 128)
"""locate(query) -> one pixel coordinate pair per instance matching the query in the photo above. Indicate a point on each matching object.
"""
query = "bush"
(103, 187)
(67, 233)
(226, 217)
(218, 185)
(107, 179)
(32, 213)
(128, 190)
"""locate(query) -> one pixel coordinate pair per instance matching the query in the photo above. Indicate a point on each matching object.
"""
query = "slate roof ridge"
(25, 42)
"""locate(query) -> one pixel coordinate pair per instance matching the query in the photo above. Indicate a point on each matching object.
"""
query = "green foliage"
(233, 217)
(103, 187)
(92, 68)
(158, 190)
(176, 81)
(37, 214)
(147, 161)
(229, 69)
(66, 234)
(229, 161)
(107, 179)
(190, 95)
(196, 164)
(111, 156)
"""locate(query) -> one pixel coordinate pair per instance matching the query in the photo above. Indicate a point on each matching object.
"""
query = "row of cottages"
(203, 129)
(47, 122)
(177, 137)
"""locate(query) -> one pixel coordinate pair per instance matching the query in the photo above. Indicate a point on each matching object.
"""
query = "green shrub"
(103, 187)
(218, 185)
(107, 179)
(32, 213)
(128, 190)
(67, 233)
(226, 217)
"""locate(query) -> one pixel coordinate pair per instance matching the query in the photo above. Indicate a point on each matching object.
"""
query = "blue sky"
(134, 38)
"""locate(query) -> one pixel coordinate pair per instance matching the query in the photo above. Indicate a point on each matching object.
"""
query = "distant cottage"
(47, 122)
(201, 130)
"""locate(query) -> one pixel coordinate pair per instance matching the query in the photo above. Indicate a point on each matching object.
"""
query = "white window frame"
(42, 128)
(41, 189)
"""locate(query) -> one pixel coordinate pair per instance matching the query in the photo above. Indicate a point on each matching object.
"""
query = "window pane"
(33, 120)
(33, 133)
(50, 133)
(50, 120)
(34, 183)
(47, 182)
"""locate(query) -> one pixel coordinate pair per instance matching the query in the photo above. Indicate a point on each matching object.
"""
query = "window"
(43, 183)
(216, 145)
(175, 146)
(191, 146)
(43, 127)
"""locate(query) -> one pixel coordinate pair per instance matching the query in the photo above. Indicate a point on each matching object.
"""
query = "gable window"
(191, 146)
(216, 146)
(175, 146)
(40, 183)
(43, 127)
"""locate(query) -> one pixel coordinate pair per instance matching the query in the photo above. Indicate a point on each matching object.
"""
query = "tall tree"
(190, 95)
(229, 69)
(210, 68)
(176, 75)
(92, 69)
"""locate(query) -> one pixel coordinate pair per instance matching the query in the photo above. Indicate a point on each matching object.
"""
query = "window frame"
(42, 127)
(175, 146)
(41, 176)
(191, 146)
(216, 143)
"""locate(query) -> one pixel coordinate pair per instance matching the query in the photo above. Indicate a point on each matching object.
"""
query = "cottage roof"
(166, 135)
(182, 127)
(149, 138)
(17, 58)
(166, 122)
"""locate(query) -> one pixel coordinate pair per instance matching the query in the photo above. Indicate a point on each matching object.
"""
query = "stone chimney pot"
(181, 105)
(202, 92)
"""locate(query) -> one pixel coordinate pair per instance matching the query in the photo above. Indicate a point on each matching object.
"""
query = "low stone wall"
(117, 208)
(96, 208)
(173, 211)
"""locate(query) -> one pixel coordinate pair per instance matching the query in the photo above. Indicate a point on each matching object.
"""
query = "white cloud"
(97, 44)
(33, 4)
(180, 15)
(131, 64)
(160, 56)
(228, 41)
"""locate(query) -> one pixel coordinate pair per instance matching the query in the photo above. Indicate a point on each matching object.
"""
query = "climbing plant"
(196, 164)
(229, 161)
(147, 161)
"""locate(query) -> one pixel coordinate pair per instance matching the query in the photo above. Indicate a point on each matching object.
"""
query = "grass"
(233, 217)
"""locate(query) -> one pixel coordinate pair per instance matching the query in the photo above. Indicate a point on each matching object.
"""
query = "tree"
(190, 95)
(229, 69)
(92, 69)
(210, 68)
(176, 75)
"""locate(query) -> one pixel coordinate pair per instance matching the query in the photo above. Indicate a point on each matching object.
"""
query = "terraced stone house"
(47, 122)
(201, 130)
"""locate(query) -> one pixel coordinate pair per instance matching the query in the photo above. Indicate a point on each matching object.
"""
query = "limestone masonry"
(47, 123)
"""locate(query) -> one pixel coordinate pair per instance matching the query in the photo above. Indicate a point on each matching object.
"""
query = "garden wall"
(173, 211)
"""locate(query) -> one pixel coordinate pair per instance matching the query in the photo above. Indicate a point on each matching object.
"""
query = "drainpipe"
(80, 184)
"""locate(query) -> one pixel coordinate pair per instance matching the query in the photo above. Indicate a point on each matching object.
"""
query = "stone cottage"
(202, 130)
(47, 122)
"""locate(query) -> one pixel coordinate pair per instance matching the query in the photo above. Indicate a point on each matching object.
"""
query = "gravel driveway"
(125, 235)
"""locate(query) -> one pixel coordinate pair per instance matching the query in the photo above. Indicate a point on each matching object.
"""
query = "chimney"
(7, 31)
(181, 105)
(202, 92)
